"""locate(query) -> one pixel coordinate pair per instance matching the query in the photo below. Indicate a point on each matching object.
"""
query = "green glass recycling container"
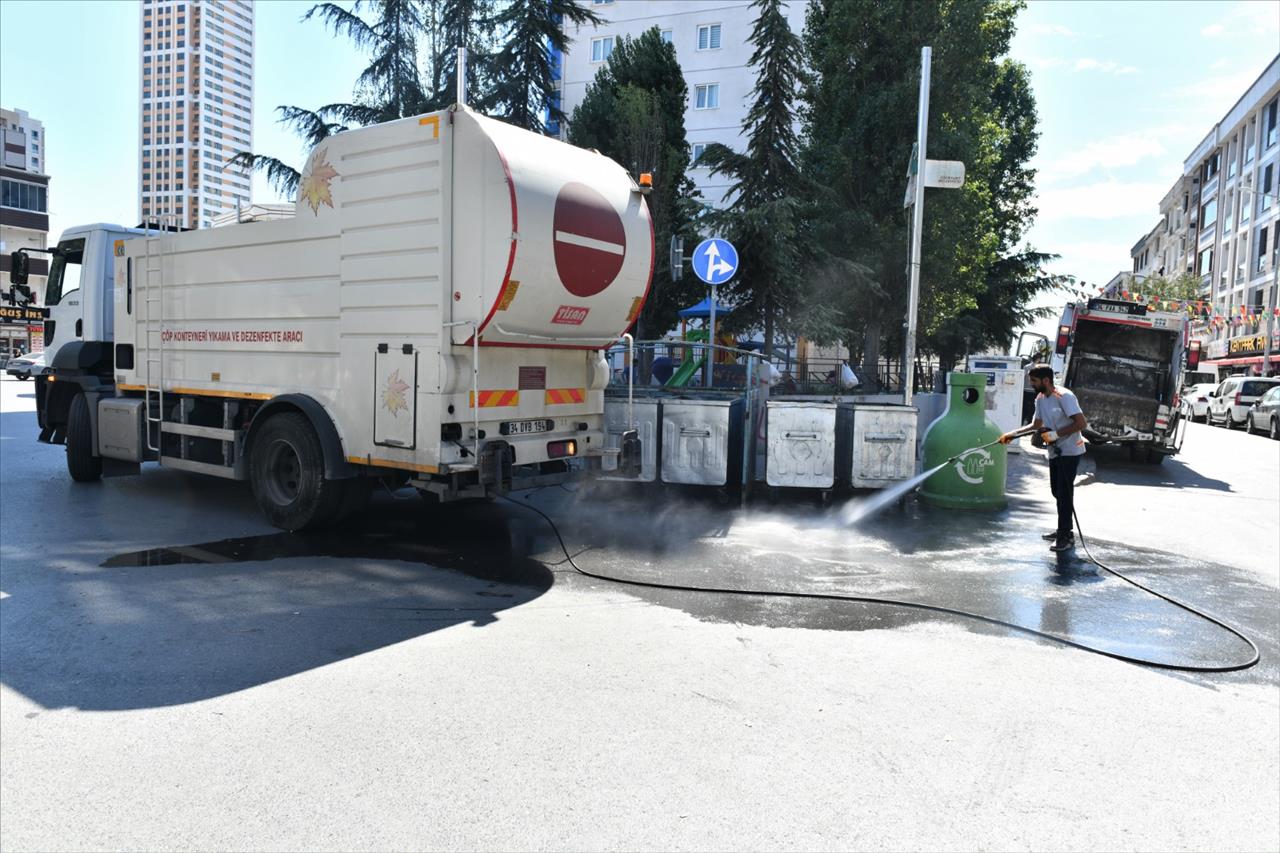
(975, 479)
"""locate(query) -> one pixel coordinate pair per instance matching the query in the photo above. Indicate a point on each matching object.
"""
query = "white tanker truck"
(434, 312)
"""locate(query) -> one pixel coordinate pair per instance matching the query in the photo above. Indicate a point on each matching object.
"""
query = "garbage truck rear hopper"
(1125, 362)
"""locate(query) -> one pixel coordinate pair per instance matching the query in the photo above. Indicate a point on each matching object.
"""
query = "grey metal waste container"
(702, 442)
(804, 439)
(884, 445)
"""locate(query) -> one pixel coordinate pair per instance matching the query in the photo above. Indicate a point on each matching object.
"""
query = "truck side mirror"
(19, 267)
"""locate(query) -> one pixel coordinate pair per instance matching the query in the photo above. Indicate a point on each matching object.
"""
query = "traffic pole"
(917, 227)
(711, 339)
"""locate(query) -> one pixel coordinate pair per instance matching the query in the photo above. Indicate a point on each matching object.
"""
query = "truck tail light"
(561, 449)
(1064, 338)
(1193, 355)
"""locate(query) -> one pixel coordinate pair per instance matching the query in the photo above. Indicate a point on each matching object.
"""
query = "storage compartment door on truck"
(395, 387)
(552, 245)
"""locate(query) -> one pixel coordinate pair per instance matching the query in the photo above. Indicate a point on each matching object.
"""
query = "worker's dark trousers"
(1062, 482)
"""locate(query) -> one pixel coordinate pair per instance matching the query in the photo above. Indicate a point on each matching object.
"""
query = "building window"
(699, 148)
(1206, 262)
(35, 134)
(708, 37)
(1210, 170)
(601, 2)
(1261, 259)
(706, 96)
(1248, 144)
(1269, 122)
(665, 35)
(1266, 185)
(601, 48)
(1208, 213)
(24, 196)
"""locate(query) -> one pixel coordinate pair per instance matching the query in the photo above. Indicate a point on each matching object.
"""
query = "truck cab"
(79, 317)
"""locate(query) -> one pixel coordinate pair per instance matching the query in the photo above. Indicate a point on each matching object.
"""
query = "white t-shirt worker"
(1059, 420)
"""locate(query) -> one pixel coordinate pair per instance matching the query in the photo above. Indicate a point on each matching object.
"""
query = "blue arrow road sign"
(715, 261)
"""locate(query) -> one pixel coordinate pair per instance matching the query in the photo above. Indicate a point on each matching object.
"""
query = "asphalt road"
(174, 674)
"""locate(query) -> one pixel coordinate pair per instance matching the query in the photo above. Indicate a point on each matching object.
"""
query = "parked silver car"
(1265, 414)
(1230, 402)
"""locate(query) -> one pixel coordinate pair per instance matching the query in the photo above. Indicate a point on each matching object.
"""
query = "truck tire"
(82, 465)
(1154, 457)
(286, 471)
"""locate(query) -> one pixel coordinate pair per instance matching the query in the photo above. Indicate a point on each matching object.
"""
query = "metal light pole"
(917, 227)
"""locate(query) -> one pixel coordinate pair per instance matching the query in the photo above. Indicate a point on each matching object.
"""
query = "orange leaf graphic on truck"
(314, 188)
(393, 396)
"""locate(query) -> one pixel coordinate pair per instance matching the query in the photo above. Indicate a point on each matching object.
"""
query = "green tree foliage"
(524, 86)
(977, 281)
(469, 24)
(633, 111)
(391, 86)
(763, 218)
(1183, 287)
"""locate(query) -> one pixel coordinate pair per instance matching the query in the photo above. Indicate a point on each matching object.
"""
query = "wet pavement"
(994, 565)
(438, 678)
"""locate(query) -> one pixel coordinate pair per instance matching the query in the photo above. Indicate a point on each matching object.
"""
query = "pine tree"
(469, 24)
(762, 219)
(633, 111)
(390, 87)
(524, 91)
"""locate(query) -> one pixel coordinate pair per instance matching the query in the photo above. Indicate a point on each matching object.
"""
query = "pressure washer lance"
(935, 608)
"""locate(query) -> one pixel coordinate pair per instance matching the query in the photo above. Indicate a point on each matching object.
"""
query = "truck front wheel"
(82, 465)
(286, 470)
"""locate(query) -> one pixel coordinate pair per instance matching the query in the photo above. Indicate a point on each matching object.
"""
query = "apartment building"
(196, 91)
(24, 219)
(711, 41)
(1220, 221)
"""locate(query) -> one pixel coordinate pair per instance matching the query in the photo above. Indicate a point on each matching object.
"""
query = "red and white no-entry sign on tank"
(590, 242)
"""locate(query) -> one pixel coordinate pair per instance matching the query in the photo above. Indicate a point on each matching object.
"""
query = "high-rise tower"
(196, 107)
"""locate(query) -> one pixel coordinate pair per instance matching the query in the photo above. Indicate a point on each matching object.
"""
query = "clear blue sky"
(1125, 91)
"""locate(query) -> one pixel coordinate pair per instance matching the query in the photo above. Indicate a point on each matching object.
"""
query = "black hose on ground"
(934, 608)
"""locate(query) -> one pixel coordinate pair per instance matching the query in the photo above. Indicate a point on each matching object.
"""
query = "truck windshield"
(64, 273)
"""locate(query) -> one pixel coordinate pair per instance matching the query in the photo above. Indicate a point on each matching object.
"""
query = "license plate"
(525, 427)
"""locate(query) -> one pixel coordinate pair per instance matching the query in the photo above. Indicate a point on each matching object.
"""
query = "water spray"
(888, 497)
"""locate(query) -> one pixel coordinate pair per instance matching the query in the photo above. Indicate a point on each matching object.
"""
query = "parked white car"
(1196, 400)
(26, 366)
(1230, 402)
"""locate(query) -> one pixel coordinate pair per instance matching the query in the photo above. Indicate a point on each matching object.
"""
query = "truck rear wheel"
(82, 465)
(286, 470)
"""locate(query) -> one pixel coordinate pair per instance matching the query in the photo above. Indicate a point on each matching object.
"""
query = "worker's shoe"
(1050, 536)
(1063, 542)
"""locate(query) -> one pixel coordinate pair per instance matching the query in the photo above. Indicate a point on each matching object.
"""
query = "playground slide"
(686, 371)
